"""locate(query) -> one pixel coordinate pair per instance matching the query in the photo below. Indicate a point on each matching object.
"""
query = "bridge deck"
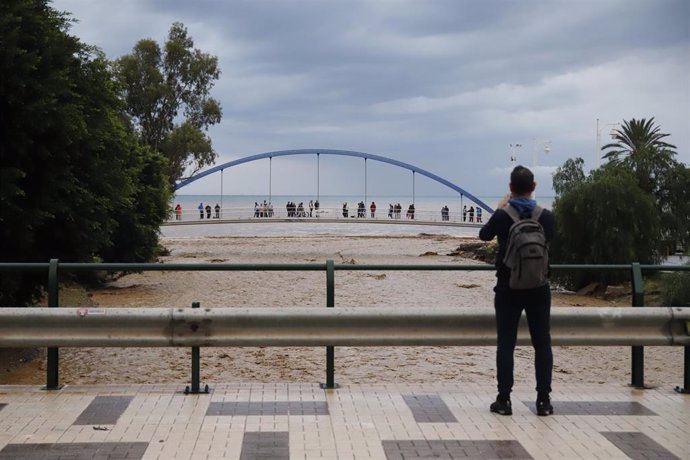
(359, 421)
(323, 220)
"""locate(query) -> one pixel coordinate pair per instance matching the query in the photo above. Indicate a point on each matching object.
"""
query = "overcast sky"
(444, 85)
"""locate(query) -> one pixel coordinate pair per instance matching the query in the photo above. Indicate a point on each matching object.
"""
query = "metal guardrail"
(313, 326)
(54, 267)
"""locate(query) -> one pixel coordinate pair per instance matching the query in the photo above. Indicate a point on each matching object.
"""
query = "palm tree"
(639, 146)
(634, 139)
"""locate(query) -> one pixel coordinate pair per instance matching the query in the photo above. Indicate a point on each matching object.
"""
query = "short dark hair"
(521, 180)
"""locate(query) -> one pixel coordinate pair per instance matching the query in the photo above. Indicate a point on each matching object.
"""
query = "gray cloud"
(445, 85)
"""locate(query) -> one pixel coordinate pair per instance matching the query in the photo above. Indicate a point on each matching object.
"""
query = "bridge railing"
(570, 325)
(330, 213)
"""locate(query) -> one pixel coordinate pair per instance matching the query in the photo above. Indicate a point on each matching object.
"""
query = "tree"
(673, 202)
(69, 163)
(568, 176)
(639, 146)
(167, 95)
(606, 219)
(634, 138)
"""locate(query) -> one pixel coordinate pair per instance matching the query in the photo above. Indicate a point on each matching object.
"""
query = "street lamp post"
(513, 156)
(597, 155)
(547, 148)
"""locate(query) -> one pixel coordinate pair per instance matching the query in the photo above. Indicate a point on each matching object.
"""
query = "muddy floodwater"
(663, 365)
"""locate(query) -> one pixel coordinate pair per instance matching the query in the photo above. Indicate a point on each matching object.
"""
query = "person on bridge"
(464, 213)
(372, 208)
(217, 209)
(479, 214)
(345, 209)
(509, 302)
(178, 212)
(208, 211)
(201, 210)
(311, 207)
(470, 213)
(390, 210)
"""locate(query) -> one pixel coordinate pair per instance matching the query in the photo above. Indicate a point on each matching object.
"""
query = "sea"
(427, 208)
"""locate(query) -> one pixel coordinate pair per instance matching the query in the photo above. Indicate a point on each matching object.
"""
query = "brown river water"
(664, 365)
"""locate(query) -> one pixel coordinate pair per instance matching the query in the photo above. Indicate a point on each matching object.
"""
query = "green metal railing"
(54, 268)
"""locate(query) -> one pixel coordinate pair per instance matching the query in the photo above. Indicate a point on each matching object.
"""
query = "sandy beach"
(664, 365)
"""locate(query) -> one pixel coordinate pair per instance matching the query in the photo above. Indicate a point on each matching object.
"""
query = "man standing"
(509, 302)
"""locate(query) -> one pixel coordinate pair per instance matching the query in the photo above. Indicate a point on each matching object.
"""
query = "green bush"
(675, 289)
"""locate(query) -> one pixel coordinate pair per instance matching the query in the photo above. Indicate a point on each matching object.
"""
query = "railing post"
(196, 373)
(330, 303)
(685, 389)
(53, 358)
(637, 370)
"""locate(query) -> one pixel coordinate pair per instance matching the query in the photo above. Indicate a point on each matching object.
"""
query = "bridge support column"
(365, 183)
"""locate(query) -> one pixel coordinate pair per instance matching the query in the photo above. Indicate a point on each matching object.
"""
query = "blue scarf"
(524, 206)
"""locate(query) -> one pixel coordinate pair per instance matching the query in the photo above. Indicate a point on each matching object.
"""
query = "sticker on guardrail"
(82, 312)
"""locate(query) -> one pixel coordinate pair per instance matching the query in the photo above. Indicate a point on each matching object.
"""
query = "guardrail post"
(637, 351)
(330, 303)
(53, 361)
(685, 389)
(196, 373)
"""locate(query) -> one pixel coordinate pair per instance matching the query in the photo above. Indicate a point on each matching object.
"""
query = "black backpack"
(527, 255)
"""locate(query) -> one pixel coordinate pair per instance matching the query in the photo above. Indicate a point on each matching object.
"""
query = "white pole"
(317, 175)
(596, 153)
(221, 193)
(365, 182)
(534, 164)
(270, 179)
(412, 187)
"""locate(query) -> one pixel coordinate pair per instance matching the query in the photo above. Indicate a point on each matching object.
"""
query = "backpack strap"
(512, 212)
(536, 212)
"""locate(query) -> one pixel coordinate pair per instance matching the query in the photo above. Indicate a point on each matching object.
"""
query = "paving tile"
(352, 421)
(638, 446)
(75, 451)
(273, 445)
(268, 408)
(104, 410)
(595, 408)
(429, 409)
(454, 449)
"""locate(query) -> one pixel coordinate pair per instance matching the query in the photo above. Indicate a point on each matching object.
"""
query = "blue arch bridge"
(270, 212)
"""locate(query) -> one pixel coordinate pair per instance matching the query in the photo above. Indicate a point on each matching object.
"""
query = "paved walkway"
(302, 421)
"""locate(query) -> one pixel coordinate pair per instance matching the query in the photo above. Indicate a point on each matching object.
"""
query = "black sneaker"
(502, 407)
(544, 407)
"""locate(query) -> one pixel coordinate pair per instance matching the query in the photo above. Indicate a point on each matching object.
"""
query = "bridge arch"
(349, 153)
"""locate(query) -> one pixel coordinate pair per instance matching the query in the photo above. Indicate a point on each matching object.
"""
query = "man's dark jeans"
(509, 304)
